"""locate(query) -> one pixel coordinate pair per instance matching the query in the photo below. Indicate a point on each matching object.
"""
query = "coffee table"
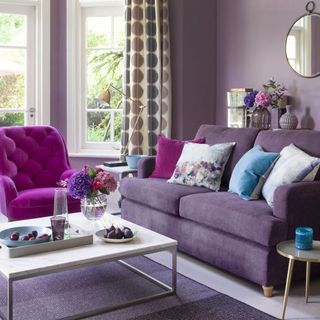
(99, 252)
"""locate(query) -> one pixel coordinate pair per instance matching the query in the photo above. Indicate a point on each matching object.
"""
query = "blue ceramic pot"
(132, 160)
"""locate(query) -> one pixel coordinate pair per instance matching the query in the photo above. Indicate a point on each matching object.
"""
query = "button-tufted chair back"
(32, 156)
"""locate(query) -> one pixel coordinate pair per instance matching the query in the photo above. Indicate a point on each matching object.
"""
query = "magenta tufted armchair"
(32, 160)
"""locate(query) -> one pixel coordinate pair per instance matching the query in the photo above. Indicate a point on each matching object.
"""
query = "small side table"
(122, 172)
(288, 250)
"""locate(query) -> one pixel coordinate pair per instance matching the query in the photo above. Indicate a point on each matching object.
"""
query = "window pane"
(291, 47)
(13, 29)
(96, 81)
(117, 125)
(11, 119)
(99, 126)
(99, 32)
(103, 68)
(12, 78)
(119, 33)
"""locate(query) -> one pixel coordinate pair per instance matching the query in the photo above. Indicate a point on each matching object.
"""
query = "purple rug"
(63, 294)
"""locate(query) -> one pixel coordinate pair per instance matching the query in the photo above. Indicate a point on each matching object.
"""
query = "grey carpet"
(59, 295)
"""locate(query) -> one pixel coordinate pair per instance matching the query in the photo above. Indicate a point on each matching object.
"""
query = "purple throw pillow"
(169, 152)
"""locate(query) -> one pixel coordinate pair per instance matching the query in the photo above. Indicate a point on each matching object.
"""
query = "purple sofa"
(32, 160)
(219, 227)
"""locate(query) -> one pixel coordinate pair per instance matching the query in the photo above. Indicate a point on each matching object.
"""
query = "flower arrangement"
(275, 90)
(270, 95)
(89, 183)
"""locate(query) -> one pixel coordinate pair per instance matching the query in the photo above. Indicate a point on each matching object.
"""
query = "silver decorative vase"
(288, 120)
(261, 118)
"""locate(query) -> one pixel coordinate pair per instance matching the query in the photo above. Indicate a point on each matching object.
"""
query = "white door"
(17, 65)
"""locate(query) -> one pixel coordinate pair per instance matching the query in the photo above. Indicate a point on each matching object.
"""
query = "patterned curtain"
(148, 75)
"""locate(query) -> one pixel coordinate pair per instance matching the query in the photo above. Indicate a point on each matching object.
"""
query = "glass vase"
(261, 118)
(94, 208)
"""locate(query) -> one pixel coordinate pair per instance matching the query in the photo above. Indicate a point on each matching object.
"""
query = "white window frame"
(40, 52)
(76, 87)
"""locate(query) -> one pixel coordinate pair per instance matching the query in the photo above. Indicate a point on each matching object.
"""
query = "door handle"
(32, 112)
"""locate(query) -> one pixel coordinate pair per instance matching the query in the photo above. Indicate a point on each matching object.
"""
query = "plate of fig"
(24, 236)
(115, 234)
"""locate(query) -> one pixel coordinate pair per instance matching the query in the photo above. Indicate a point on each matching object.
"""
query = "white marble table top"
(145, 242)
(289, 250)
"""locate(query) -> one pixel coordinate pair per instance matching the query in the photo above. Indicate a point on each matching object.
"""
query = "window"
(100, 39)
(24, 88)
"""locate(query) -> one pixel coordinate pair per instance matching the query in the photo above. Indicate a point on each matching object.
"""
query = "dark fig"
(14, 236)
(107, 230)
(30, 235)
(111, 234)
(111, 228)
(128, 233)
(35, 233)
(25, 238)
(119, 233)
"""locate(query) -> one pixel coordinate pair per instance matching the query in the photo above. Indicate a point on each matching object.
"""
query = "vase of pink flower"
(272, 96)
(261, 117)
(91, 186)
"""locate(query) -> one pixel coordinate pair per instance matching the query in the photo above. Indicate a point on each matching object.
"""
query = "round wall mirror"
(303, 44)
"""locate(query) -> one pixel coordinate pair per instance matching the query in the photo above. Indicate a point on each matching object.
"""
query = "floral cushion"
(202, 165)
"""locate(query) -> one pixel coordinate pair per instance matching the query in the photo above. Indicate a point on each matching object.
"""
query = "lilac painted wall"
(251, 38)
(58, 78)
(193, 54)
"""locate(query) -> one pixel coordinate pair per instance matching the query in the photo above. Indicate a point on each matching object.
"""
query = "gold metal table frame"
(287, 249)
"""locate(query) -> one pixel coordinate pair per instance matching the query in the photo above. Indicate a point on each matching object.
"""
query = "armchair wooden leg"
(267, 291)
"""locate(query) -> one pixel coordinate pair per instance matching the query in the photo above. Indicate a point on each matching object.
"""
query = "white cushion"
(293, 165)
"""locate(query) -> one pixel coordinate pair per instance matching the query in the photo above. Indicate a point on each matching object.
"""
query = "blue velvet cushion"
(250, 172)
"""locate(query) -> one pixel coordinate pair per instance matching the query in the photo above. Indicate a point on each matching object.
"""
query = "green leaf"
(92, 172)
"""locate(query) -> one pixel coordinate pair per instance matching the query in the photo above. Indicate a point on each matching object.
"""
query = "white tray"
(78, 237)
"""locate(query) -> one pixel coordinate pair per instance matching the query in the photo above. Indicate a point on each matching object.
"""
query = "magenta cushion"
(36, 203)
(169, 152)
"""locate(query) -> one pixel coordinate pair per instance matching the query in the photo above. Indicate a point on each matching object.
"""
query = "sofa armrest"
(8, 192)
(68, 173)
(145, 166)
(299, 205)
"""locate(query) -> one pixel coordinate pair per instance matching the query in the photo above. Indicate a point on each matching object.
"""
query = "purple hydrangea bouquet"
(91, 186)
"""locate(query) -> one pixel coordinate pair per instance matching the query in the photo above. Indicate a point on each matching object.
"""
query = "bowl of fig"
(24, 236)
(116, 234)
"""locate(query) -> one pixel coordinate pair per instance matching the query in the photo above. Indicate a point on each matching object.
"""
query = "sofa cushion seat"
(40, 200)
(157, 193)
(250, 220)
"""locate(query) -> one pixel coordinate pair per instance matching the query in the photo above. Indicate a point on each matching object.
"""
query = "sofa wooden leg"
(267, 291)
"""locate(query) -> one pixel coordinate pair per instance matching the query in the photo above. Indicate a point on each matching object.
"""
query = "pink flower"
(263, 99)
(108, 183)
